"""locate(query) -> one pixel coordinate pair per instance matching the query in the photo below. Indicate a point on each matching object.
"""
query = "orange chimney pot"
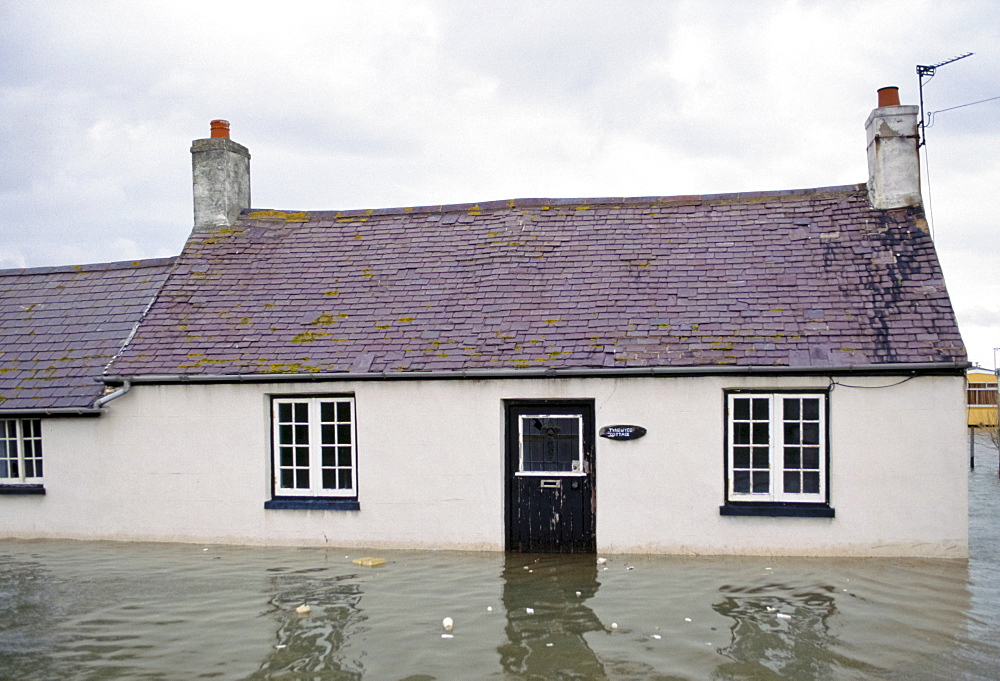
(888, 96)
(220, 128)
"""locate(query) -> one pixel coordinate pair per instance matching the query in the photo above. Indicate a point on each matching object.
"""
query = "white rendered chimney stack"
(893, 161)
(221, 178)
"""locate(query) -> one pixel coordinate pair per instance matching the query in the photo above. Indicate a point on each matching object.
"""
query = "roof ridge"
(90, 267)
(299, 215)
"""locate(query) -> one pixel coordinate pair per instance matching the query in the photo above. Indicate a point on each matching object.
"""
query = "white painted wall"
(191, 463)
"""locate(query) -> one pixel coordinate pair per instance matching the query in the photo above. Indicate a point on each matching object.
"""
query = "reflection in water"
(312, 644)
(547, 642)
(781, 630)
(94, 611)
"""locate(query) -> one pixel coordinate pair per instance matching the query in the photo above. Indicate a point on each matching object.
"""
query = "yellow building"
(981, 396)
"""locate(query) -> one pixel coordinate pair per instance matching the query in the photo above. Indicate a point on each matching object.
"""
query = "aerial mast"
(928, 72)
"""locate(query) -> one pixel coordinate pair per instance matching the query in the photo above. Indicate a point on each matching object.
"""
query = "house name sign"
(622, 432)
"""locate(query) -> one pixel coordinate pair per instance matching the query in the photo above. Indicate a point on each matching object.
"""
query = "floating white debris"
(530, 611)
(280, 646)
(687, 619)
(629, 567)
(770, 609)
(783, 616)
(602, 561)
(657, 637)
(489, 608)
(447, 636)
(767, 568)
(614, 625)
(579, 593)
(303, 609)
(549, 645)
(448, 623)
(369, 561)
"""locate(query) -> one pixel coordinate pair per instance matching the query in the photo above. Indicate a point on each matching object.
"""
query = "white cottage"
(763, 373)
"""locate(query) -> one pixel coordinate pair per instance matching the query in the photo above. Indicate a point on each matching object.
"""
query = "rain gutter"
(52, 411)
(484, 374)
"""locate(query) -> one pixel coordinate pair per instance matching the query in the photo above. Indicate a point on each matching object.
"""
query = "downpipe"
(101, 401)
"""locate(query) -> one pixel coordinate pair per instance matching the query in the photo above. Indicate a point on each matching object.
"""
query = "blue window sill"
(22, 489)
(312, 504)
(777, 509)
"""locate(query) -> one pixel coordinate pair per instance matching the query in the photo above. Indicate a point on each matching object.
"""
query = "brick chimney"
(221, 177)
(893, 162)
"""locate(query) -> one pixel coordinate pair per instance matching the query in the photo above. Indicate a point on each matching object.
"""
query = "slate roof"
(60, 326)
(811, 278)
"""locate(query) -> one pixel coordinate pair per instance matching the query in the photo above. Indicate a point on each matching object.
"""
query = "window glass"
(810, 482)
(982, 394)
(551, 444)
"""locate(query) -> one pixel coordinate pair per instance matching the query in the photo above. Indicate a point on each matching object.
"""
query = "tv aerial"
(928, 73)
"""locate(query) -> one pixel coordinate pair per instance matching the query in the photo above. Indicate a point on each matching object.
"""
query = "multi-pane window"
(982, 394)
(777, 447)
(20, 451)
(314, 447)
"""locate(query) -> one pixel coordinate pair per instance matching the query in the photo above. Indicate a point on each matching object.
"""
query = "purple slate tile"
(90, 310)
(706, 267)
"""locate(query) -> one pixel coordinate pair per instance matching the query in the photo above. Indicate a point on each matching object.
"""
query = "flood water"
(101, 610)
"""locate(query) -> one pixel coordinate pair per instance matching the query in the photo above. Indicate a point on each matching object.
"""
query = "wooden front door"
(550, 501)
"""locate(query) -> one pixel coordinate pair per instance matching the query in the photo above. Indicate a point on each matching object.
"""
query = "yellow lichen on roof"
(278, 215)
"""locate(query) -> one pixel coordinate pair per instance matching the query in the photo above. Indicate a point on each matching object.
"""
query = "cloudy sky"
(382, 104)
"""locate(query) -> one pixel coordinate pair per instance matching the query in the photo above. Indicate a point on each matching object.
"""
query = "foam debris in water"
(448, 623)
(368, 561)
(530, 611)
(303, 609)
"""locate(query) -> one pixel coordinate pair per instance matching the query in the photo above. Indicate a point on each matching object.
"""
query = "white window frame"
(14, 436)
(776, 445)
(314, 447)
(578, 463)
